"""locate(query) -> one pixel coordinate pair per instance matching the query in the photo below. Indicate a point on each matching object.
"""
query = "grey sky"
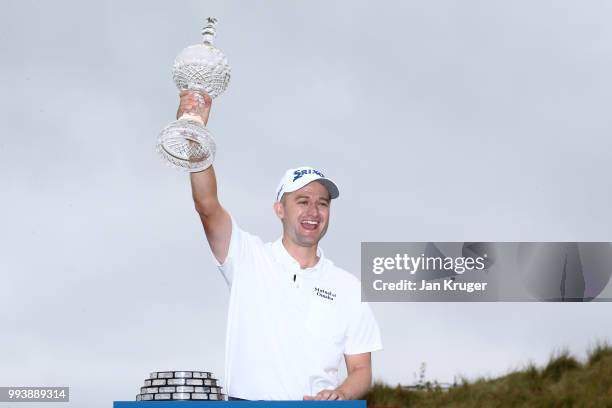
(440, 121)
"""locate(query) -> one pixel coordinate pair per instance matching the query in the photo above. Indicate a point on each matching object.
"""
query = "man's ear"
(279, 210)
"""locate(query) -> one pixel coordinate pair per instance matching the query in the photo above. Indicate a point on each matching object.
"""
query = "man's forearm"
(357, 383)
(204, 191)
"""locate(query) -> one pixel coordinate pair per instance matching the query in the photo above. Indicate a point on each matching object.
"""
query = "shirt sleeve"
(241, 244)
(363, 334)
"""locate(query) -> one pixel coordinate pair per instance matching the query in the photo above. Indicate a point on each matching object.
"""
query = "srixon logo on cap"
(299, 173)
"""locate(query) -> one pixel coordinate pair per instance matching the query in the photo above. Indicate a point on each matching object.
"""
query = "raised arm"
(216, 221)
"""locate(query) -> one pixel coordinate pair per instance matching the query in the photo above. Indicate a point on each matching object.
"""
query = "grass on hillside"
(563, 382)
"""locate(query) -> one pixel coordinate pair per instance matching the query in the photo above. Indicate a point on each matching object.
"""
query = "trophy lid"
(202, 66)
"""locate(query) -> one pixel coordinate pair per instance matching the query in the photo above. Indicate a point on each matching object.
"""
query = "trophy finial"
(209, 31)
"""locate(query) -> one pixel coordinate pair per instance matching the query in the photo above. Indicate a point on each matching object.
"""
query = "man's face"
(305, 214)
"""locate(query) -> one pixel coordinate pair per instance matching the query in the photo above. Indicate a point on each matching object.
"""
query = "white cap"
(294, 179)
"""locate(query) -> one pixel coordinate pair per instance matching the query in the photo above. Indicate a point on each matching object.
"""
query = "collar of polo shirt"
(282, 256)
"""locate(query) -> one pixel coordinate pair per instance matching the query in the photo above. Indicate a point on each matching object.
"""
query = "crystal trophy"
(202, 68)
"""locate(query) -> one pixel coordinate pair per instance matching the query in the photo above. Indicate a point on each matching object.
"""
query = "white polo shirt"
(288, 328)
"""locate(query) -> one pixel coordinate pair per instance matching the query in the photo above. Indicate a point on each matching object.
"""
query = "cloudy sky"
(440, 121)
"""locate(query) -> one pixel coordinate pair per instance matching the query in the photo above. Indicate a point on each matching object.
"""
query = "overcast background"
(440, 121)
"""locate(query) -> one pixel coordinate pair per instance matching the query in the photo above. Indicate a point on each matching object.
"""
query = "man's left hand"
(329, 395)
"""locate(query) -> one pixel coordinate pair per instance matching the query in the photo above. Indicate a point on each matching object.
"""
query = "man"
(292, 314)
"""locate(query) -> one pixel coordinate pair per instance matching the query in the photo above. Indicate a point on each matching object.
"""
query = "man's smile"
(310, 225)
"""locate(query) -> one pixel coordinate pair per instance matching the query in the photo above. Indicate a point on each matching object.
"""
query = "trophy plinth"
(181, 386)
(186, 144)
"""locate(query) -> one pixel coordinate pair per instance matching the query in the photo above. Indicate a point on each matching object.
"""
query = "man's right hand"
(190, 103)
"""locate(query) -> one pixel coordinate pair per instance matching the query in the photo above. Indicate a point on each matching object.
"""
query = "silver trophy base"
(181, 385)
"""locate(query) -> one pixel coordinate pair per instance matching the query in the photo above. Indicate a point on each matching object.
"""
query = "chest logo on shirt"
(325, 294)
